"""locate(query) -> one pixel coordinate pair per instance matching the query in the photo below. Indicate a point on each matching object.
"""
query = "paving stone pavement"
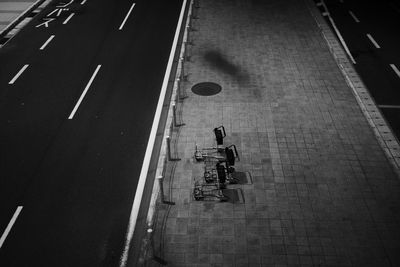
(323, 192)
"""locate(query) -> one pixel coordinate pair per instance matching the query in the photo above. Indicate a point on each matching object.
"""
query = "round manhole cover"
(206, 89)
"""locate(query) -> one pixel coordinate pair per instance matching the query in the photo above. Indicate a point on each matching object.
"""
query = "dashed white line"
(126, 17)
(354, 17)
(83, 2)
(395, 69)
(18, 74)
(389, 106)
(10, 225)
(373, 40)
(69, 17)
(47, 42)
(71, 116)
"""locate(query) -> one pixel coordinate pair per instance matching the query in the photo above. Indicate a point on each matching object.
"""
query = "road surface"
(79, 87)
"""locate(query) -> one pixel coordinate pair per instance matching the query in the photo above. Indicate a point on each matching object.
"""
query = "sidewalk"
(15, 14)
(11, 9)
(323, 192)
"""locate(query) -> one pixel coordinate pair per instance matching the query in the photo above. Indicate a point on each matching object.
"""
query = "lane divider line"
(126, 17)
(389, 106)
(18, 74)
(150, 145)
(354, 16)
(373, 41)
(69, 17)
(395, 69)
(71, 116)
(83, 2)
(47, 42)
(10, 225)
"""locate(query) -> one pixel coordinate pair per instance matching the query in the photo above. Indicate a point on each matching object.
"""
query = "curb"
(378, 123)
(21, 17)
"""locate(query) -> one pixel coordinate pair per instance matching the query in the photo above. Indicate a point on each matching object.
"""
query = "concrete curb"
(381, 128)
(21, 17)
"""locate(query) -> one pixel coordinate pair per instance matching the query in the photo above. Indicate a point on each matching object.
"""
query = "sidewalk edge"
(22, 16)
(382, 130)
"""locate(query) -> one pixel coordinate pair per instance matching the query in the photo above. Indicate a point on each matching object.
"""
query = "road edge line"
(383, 132)
(150, 145)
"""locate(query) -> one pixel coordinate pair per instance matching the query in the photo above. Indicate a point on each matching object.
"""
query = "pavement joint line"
(354, 16)
(18, 74)
(71, 116)
(373, 41)
(395, 69)
(147, 157)
(67, 19)
(47, 42)
(126, 17)
(10, 225)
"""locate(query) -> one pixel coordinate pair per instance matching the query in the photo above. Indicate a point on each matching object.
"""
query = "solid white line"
(354, 17)
(126, 17)
(47, 42)
(146, 161)
(395, 69)
(10, 225)
(373, 41)
(69, 17)
(18, 74)
(389, 106)
(71, 116)
(338, 33)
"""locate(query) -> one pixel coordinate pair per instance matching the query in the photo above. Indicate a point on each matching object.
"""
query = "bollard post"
(170, 158)
(161, 185)
(153, 256)
(174, 117)
(179, 94)
(182, 75)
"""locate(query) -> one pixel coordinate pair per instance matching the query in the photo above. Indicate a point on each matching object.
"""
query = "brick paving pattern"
(323, 192)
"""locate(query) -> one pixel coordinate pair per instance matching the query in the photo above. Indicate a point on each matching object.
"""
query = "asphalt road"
(370, 30)
(76, 177)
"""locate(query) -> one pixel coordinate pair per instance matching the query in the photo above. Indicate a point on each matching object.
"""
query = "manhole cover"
(206, 89)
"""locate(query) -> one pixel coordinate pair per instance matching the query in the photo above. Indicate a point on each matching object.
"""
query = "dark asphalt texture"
(76, 179)
(382, 21)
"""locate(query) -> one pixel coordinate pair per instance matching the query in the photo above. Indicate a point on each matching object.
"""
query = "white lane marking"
(47, 42)
(126, 17)
(71, 116)
(10, 225)
(395, 69)
(146, 161)
(69, 17)
(354, 16)
(18, 74)
(46, 23)
(373, 40)
(338, 32)
(389, 106)
(83, 2)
